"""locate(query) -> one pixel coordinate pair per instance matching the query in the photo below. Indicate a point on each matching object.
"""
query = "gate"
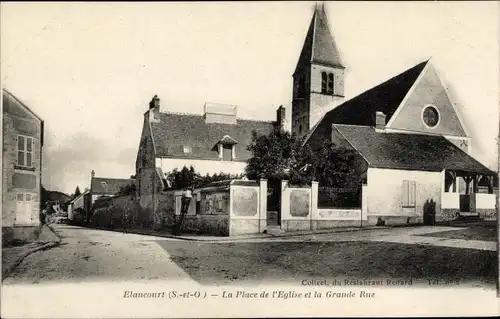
(274, 206)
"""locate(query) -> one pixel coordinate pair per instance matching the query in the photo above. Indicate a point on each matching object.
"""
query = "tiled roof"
(319, 45)
(174, 131)
(109, 186)
(409, 151)
(360, 110)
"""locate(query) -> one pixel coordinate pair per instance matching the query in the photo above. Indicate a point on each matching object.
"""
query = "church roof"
(360, 110)
(319, 45)
(175, 131)
(409, 151)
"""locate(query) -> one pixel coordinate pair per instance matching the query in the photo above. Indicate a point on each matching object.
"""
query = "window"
(324, 82)
(24, 151)
(187, 149)
(409, 190)
(327, 83)
(20, 197)
(430, 116)
(227, 152)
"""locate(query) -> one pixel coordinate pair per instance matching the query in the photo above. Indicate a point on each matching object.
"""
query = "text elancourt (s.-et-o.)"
(250, 294)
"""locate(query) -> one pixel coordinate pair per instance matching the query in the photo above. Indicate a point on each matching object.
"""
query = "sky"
(90, 69)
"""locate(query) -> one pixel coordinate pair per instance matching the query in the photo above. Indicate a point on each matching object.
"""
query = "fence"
(346, 198)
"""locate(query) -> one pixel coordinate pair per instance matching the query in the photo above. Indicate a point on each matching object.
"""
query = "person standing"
(187, 195)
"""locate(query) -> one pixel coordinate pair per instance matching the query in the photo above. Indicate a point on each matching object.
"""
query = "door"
(24, 209)
(274, 204)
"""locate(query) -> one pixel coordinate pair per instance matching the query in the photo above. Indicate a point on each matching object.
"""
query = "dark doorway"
(274, 204)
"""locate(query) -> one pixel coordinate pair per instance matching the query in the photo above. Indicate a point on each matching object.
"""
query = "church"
(411, 138)
(412, 141)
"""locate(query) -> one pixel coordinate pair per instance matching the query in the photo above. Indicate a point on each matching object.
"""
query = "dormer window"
(187, 149)
(327, 83)
(227, 148)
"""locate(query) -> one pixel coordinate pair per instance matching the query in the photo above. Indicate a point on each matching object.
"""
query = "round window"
(430, 116)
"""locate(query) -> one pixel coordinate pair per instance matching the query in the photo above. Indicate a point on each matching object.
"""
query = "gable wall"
(17, 120)
(427, 90)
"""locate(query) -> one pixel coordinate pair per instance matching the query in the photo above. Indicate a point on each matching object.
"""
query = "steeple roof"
(319, 45)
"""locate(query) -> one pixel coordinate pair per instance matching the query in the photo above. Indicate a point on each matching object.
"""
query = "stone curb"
(45, 246)
(233, 239)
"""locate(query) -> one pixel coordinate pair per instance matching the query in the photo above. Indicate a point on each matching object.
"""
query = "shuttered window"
(409, 193)
(25, 151)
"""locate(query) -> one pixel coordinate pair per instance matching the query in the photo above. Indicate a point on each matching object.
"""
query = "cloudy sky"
(90, 69)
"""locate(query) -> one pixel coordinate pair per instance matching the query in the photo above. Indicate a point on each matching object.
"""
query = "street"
(90, 255)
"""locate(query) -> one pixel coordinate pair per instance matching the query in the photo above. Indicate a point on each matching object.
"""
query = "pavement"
(13, 256)
(93, 255)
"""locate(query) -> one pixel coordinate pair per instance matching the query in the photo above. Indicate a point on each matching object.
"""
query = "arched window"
(327, 83)
(330, 83)
(324, 82)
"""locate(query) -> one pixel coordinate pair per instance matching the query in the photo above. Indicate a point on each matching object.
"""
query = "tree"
(184, 178)
(277, 156)
(188, 177)
(127, 189)
(77, 192)
(280, 155)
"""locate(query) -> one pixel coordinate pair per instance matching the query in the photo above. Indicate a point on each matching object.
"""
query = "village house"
(213, 142)
(21, 169)
(103, 187)
(411, 140)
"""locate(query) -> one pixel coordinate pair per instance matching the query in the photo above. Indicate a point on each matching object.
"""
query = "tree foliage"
(127, 190)
(77, 192)
(188, 177)
(281, 156)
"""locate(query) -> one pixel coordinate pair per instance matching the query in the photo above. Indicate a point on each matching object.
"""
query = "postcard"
(249, 159)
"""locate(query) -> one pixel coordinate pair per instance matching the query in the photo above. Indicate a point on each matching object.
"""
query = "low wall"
(120, 212)
(485, 201)
(332, 218)
(450, 201)
(296, 207)
(245, 206)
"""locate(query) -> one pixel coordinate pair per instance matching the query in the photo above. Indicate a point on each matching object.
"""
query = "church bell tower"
(318, 80)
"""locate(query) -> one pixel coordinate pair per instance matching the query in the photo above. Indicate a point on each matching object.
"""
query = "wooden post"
(467, 184)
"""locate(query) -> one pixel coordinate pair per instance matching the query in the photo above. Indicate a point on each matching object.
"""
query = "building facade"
(21, 168)
(407, 130)
(213, 142)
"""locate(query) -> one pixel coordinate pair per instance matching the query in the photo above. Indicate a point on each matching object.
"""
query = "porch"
(461, 195)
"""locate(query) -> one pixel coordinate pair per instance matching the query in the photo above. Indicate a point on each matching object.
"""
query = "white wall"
(201, 166)
(451, 200)
(385, 191)
(485, 201)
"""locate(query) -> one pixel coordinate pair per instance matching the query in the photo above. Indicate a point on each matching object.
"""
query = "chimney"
(154, 108)
(92, 174)
(220, 113)
(380, 120)
(280, 117)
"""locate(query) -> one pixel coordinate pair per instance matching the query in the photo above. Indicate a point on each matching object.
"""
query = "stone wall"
(245, 210)
(24, 182)
(296, 207)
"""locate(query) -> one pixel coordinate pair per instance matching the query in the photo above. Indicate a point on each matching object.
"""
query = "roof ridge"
(117, 178)
(201, 115)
